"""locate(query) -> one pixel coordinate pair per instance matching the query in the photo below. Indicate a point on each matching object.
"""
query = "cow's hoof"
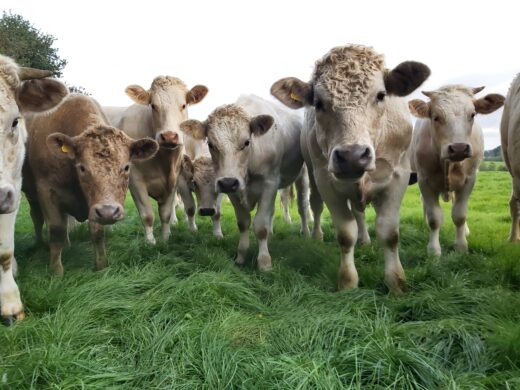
(434, 250)
(348, 280)
(264, 263)
(239, 259)
(463, 248)
(305, 232)
(100, 267)
(151, 240)
(317, 235)
(219, 235)
(57, 270)
(396, 284)
(10, 319)
(364, 241)
(514, 239)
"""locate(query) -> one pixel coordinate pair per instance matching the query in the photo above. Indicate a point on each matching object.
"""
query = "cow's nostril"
(98, 212)
(366, 153)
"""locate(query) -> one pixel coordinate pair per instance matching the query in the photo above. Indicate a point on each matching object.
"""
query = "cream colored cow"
(510, 137)
(355, 138)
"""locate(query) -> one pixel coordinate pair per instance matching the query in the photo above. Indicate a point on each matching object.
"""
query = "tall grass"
(182, 315)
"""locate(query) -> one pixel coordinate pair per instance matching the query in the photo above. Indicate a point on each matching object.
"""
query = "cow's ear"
(40, 95)
(143, 149)
(138, 94)
(186, 167)
(260, 124)
(196, 94)
(419, 108)
(195, 129)
(293, 92)
(405, 78)
(489, 103)
(61, 145)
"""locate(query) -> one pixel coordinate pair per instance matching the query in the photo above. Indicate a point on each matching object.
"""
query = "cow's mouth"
(351, 176)
(169, 145)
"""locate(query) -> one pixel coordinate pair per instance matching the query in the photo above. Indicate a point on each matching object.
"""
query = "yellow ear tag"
(295, 97)
(65, 148)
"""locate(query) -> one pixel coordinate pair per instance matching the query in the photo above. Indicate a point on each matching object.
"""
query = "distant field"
(181, 315)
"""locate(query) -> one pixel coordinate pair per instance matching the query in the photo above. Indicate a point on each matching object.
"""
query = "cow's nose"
(227, 185)
(108, 213)
(459, 151)
(6, 200)
(352, 161)
(168, 138)
(207, 211)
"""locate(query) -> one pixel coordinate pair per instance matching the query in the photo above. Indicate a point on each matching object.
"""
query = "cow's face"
(21, 91)
(102, 158)
(168, 99)
(348, 96)
(452, 110)
(230, 133)
(200, 176)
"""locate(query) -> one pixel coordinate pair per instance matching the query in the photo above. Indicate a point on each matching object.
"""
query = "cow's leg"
(165, 214)
(217, 229)
(173, 218)
(243, 216)
(387, 207)
(10, 302)
(189, 204)
(285, 200)
(317, 208)
(37, 219)
(262, 224)
(459, 212)
(144, 207)
(97, 234)
(434, 216)
(302, 198)
(514, 207)
(57, 225)
(363, 237)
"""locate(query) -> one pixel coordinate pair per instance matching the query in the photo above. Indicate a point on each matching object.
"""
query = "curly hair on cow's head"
(161, 82)
(346, 72)
(228, 113)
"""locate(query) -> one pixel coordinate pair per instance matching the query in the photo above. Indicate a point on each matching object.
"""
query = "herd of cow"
(355, 146)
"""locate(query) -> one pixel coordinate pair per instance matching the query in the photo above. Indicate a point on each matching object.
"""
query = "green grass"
(181, 315)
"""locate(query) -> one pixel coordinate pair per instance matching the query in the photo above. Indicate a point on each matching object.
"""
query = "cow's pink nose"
(168, 138)
(108, 213)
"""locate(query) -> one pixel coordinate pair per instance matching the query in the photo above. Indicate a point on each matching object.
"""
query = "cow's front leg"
(316, 206)
(302, 198)
(243, 217)
(387, 205)
(217, 229)
(57, 238)
(165, 214)
(97, 234)
(285, 200)
(434, 216)
(262, 224)
(37, 219)
(10, 302)
(514, 208)
(459, 212)
(363, 237)
(144, 207)
(189, 204)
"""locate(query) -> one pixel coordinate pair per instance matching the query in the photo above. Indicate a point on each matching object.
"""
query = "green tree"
(29, 46)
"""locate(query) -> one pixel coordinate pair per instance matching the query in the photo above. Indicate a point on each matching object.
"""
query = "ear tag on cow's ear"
(295, 97)
(65, 148)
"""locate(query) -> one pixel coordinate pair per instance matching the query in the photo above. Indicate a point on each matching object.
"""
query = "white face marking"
(169, 109)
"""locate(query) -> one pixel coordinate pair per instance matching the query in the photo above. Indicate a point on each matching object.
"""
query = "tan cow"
(157, 114)
(510, 137)
(354, 140)
(22, 90)
(78, 165)
(446, 151)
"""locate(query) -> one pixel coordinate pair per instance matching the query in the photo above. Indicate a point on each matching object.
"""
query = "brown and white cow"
(78, 165)
(254, 145)
(22, 90)
(446, 151)
(157, 114)
(354, 140)
(510, 137)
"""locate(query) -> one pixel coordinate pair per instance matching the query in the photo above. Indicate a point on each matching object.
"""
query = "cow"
(302, 193)
(254, 146)
(157, 114)
(22, 90)
(510, 139)
(78, 165)
(355, 137)
(446, 151)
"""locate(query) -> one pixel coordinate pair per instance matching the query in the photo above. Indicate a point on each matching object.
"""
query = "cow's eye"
(154, 107)
(127, 168)
(246, 144)
(381, 96)
(15, 123)
(437, 118)
(210, 145)
(82, 168)
(318, 104)
(472, 116)
(184, 106)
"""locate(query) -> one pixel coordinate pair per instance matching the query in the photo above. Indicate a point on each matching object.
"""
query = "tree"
(29, 46)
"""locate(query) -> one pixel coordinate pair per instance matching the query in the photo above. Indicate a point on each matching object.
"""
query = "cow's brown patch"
(262, 234)
(345, 242)
(5, 261)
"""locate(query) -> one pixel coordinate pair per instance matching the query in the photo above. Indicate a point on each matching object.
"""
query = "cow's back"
(510, 128)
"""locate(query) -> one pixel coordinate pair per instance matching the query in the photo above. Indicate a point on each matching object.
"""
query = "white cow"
(18, 95)
(355, 138)
(254, 145)
(510, 136)
(446, 151)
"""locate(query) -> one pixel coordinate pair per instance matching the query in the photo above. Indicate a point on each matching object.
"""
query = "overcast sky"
(236, 47)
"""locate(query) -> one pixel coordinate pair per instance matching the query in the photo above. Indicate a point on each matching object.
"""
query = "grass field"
(181, 315)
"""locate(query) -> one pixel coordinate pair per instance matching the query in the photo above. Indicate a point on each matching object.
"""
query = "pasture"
(182, 315)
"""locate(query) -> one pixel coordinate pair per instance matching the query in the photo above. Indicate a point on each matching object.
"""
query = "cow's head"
(348, 95)
(22, 90)
(168, 99)
(102, 156)
(200, 176)
(452, 110)
(230, 133)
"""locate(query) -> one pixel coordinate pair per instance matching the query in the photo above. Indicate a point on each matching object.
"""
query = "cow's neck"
(169, 162)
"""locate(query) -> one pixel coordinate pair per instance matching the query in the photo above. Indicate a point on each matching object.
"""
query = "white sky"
(236, 47)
